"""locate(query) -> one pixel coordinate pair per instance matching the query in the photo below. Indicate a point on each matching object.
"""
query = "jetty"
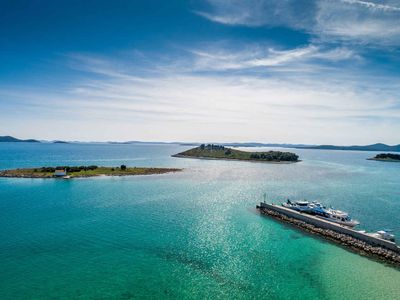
(358, 241)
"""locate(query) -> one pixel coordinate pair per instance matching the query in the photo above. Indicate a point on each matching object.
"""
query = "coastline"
(29, 173)
(383, 159)
(235, 159)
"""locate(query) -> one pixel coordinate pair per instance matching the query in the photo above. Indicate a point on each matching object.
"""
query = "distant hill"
(141, 142)
(11, 139)
(373, 147)
(60, 142)
(254, 144)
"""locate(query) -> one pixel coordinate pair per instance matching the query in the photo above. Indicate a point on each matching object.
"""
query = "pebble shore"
(357, 245)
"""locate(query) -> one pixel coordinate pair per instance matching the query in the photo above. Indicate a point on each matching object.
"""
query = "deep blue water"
(193, 234)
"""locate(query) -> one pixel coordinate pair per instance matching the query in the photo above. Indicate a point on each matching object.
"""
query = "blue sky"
(297, 71)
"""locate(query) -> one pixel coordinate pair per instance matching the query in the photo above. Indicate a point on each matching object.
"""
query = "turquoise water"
(187, 235)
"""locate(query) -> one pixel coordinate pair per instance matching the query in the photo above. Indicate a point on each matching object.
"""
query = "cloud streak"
(109, 103)
(373, 5)
(260, 57)
(356, 21)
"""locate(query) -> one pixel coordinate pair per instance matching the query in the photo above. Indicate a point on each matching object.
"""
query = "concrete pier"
(364, 243)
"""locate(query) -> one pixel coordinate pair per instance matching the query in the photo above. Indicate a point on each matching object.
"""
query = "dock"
(359, 241)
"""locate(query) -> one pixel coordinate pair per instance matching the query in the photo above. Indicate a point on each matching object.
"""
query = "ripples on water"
(187, 235)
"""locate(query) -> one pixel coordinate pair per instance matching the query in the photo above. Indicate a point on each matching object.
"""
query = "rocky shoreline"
(384, 159)
(235, 159)
(354, 244)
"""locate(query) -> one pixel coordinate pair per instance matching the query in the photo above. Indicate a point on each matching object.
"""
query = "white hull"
(321, 212)
(345, 223)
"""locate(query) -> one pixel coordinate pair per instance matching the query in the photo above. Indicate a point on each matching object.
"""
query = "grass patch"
(76, 172)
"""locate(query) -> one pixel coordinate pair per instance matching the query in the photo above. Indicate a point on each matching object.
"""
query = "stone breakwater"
(355, 244)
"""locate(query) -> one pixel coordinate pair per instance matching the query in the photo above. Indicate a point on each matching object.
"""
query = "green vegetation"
(85, 171)
(387, 157)
(212, 151)
(67, 168)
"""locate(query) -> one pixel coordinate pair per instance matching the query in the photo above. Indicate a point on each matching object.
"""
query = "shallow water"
(193, 234)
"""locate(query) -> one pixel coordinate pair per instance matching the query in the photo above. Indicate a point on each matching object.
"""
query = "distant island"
(386, 157)
(10, 139)
(83, 171)
(373, 147)
(212, 151)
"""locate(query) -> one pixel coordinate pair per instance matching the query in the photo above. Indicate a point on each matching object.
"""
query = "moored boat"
(301, 205)
(319, 210)
(383, 234)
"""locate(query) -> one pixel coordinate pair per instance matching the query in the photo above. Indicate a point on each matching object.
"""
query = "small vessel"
(383, 234)
(301, 205)
(317, 209)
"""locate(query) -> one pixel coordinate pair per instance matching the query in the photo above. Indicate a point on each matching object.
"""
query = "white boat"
(383, 234)
(317, 209)
(340, 217)
(301, 205)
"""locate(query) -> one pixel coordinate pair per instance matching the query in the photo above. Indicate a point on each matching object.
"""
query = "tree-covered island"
(212, 151)
(83, 171)
(386, 157)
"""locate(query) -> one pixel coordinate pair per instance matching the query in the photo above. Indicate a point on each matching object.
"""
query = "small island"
(212, 151)
(386, 157)
(83, 171)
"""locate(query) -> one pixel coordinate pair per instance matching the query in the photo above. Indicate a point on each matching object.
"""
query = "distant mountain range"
(266, 145)
(373, 147)
(8, 138)
(148, 143)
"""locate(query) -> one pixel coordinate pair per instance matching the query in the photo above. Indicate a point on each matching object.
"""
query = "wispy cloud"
(256, 57)
(373, 5)
(104, 105)
(367, 22)
(292, 13)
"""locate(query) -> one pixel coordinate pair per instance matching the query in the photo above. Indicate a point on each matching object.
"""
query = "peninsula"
(386, 157)
(212, 151)
(83, 171)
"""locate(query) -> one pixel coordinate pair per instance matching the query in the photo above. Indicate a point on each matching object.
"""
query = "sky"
(273, 71)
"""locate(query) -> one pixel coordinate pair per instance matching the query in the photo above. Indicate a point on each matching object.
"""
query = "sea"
(193, 234)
